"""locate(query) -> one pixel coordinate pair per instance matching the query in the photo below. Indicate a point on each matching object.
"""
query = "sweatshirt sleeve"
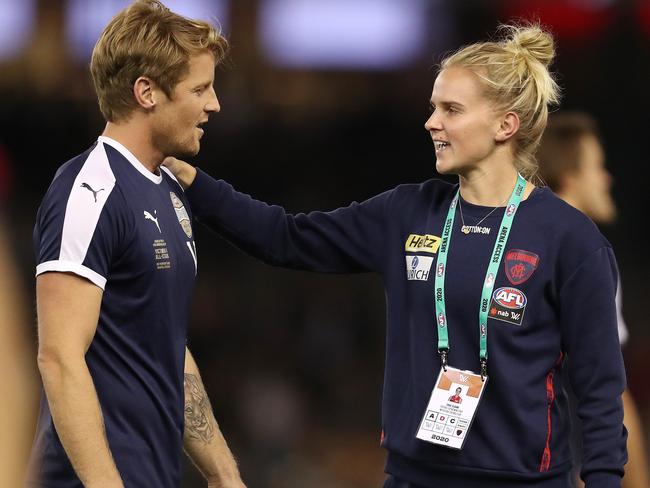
(349, 239)
(588, 316)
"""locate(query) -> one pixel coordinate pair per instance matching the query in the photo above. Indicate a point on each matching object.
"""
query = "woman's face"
(463, 124)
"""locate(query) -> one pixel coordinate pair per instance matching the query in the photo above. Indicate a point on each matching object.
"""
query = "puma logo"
(90, 188)
(148, 216)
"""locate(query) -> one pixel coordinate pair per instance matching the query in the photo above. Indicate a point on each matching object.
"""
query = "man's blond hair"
(147, 39)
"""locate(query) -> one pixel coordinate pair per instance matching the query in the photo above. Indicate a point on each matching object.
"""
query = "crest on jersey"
(508, 304)
(520, 265)
(181, 214)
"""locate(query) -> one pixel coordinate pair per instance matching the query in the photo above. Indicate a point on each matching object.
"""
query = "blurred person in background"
(18, 387)
(490, 106)
(572, 163)
(116, 264)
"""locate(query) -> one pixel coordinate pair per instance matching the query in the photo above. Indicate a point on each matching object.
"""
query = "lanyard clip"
(483, 369)
(444, 353)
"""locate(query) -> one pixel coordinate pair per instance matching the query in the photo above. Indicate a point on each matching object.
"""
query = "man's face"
(592, 182)
(176, 129)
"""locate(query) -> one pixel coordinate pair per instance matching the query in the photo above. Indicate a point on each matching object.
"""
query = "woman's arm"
(349, 239)
(590, 337)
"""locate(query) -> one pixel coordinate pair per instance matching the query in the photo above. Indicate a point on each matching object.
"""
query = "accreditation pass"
(451, 409)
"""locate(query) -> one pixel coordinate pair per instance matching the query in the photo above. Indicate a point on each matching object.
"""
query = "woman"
(492, 255)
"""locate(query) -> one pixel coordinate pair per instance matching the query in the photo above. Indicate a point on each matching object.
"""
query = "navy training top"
(107, 218)
(554, 296)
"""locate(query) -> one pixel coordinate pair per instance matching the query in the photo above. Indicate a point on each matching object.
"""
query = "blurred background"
(323, 102)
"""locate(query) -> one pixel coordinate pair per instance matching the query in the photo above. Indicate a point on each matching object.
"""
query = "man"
(116, 267)
(572, 163)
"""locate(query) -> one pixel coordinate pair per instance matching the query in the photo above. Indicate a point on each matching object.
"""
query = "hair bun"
(534, 41)
(514, 74)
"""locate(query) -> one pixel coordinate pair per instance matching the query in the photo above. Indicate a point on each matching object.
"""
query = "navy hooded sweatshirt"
(556, 264)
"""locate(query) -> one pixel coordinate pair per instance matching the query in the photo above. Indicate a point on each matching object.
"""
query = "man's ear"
(144, 93)
(508, 127)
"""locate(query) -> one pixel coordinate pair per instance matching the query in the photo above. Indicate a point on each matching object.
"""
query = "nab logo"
(510, 298)
(463, 378)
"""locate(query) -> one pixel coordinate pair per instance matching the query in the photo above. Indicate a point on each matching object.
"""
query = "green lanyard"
(490, 275)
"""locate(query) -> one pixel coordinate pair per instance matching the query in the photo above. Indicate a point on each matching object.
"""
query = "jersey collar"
(157, 179)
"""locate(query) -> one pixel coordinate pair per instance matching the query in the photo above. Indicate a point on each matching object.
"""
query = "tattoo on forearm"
(198, 411)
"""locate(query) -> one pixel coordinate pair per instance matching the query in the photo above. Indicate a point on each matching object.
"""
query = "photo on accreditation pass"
(451, 408)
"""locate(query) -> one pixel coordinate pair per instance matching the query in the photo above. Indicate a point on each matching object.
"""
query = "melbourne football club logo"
(520, 265)
(181, 214)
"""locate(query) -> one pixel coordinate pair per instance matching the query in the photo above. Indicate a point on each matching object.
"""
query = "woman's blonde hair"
(147, 39)
(514, 71)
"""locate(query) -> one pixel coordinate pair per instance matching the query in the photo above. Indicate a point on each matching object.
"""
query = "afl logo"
(415, 262)
(441, 320)
(441, 269)
(511, 209)
(510, 298)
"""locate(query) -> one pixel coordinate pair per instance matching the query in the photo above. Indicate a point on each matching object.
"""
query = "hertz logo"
(425, 243)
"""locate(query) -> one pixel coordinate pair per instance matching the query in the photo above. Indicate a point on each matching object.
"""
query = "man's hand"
(184, 173)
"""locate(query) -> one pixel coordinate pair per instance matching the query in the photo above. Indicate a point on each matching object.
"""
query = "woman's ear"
(508, 127)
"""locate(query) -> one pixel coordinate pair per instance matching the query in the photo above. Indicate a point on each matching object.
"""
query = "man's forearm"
(203, 440)
(78, 420)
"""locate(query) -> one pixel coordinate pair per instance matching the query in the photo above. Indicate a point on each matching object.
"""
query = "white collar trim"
(157, 179)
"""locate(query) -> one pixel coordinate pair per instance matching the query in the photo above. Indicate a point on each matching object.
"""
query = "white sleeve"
(75, 231)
